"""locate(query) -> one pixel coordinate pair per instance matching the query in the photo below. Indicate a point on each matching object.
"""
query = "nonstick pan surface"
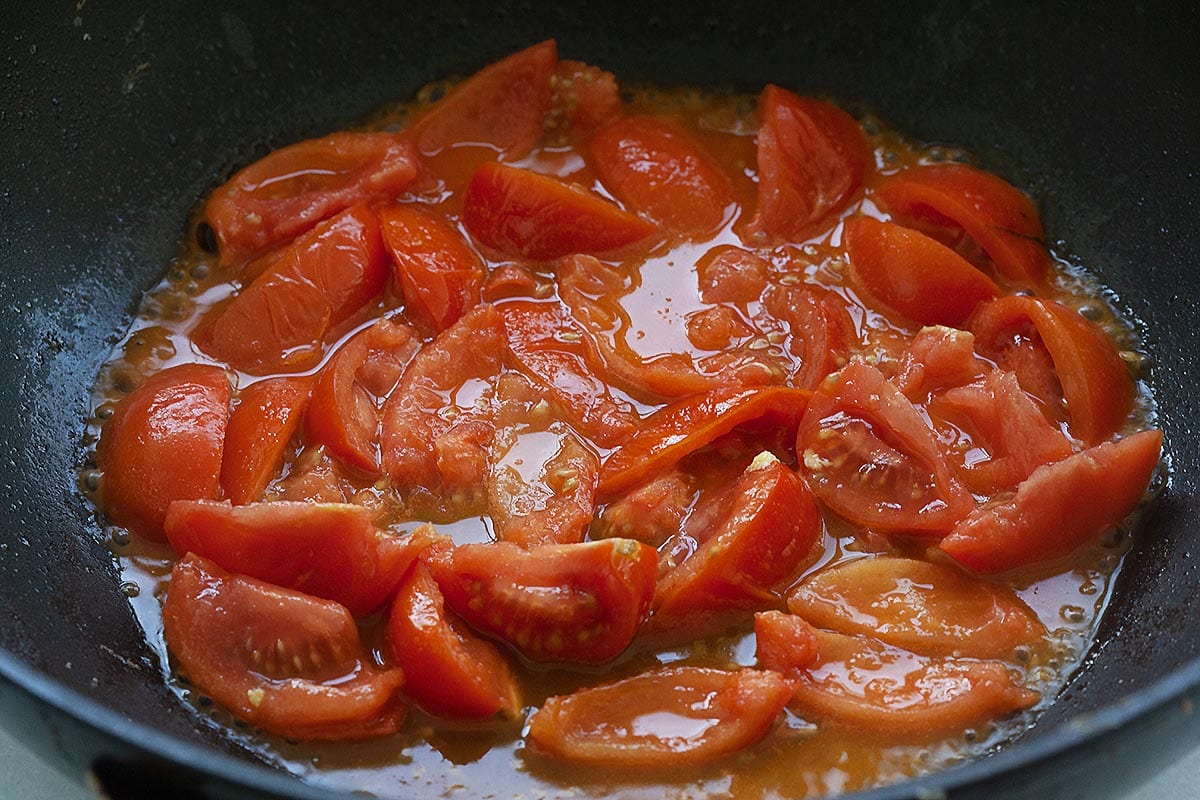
(115, 118)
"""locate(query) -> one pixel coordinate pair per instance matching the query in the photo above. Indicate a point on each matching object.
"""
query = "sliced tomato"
(676, 716)
(930, 609)
(652, 513)
(763, 529)
(1006, 425)
(437, 425)
(660, 171)
(683, 427)
(448, 670)
(869, 456)
(163, 443)
(952, 201)
(524, 214)
(280, 321)
(904, 270)
(344, 414)
(569, 603)
(501, 106)
(1027, 335)
(937, 358)
(812, 158)
(816, 328)
(729, 274)
(328, 550)
(784, 643)
(1059, 508)
(863, 684)
(281, 196)
(267, 415)
(289, 663)
(438, 272)
(584, 98)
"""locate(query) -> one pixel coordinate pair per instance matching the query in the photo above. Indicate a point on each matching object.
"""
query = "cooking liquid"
(435, 758)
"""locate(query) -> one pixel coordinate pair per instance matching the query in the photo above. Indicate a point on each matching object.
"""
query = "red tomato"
(763, 529)
(281, 196)
(524, 214)
(784, 643)
(662, 173)
(869, 456)
(448, 671)
(683, 427)
(344, 414)
(261, 426)
(163, 443)
(502, 106)
(1059, 508)
(816, 328)
(279, 322)
(863, 684)
(651, 513)
(938, 358)
(1004, 422)
(930, 609)
(573, 603)
(812, 157)
(676, 716)
(909, 272)
(286, 662)
(1027, 334)
(328, 550)
(950, 200)
(584, 98)
(729, 274)
(437, 271)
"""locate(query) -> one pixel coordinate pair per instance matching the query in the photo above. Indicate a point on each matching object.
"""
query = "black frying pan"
(113, 121)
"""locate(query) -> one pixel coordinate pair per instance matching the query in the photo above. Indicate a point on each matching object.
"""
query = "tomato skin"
(524, 214)
(281, 196)
(163, 443)
(571, 603)
(501, 105)
(1094, 381)
(266, 417)
(687, 425)
(284, 661)
(905, 270)
(613, 725)
(279, 322)
(1059, 508)
(868, 455)
(439, 274)
(929, 609)
(662, 173)
(766, 527)
(329, 550)
(998, 217)
(812, 158)
(448, 671)
(343, 414)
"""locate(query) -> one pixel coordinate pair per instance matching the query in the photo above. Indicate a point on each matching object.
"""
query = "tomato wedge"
(685, 426)
(524, 214)
(501, 106)
(279, 322)
(950, 201)
(812, 158)
(816, 329)
(728, 274)
(573, 603)
(291, 664)
(328, 550)
(344, 413)
(869, 456)
(448, 670)
(929, 609)
(651, 513)
(672, 717)
(583, 98)
(267, 415)
(765, 526)
(938, 358)
(905, 270)
(163, 443)
(660, 171)
(1059, 508)
(281, 196)
(1023, 333)
(438, 272)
